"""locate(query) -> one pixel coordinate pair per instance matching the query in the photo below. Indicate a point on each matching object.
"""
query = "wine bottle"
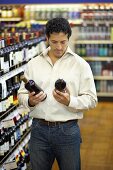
(2, 142)
(31, 86)
(60, 85)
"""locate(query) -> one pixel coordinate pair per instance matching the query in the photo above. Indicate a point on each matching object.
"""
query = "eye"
(63, 42)
(54, 42)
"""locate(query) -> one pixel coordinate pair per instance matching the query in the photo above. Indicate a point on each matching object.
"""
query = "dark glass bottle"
(22, 159)
(6, 140)
(1, 62)
(15, 128)
(1, 99)
(9, 89)
(16, 85)
(12, 140)
(110, 50)
(27, 155)
(60, 85)
(2, 145)
(18, 162)
(31, 86)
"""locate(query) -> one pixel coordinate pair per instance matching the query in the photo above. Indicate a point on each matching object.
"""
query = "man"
(55, 132)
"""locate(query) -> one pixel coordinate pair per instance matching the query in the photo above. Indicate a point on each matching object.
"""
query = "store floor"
(97, 135)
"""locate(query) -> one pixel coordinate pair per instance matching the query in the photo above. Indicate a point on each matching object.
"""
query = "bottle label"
(8, 123)
(0, 106)
(2, 150)
(12, 140)
(4, 105)
(10, 165)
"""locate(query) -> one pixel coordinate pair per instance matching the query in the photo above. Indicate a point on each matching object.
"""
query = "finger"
(40, 97)
(43, 97)
(67, 90)
(39, 94)
(59, 92)
(36, 98)
(31, 94)
(58, 97)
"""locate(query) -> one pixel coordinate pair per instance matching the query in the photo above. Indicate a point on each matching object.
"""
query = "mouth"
(58, 51)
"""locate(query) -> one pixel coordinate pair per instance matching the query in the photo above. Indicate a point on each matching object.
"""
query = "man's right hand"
(35, 99)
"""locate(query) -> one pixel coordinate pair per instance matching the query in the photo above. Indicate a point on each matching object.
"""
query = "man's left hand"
(62, 97)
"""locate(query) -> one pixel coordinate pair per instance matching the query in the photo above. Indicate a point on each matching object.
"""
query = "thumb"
(67, 90)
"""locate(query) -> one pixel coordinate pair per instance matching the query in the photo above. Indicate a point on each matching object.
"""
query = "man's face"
(58, 43)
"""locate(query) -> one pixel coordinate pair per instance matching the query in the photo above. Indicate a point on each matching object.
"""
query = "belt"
(48, 123)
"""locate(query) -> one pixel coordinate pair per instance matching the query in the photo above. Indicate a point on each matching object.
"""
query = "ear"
(47, 41)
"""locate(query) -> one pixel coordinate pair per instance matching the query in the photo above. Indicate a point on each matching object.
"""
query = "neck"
(52, 57)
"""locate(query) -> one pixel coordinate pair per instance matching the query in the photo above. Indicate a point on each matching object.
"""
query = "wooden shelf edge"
(103, 77)
(10, 19)
(98, 58)
(15, 146)
(104, 94)
(93, 42)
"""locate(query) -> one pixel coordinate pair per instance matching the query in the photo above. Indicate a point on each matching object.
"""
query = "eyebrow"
(57, 41)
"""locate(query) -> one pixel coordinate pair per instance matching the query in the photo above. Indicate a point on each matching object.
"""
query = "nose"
(59, 46)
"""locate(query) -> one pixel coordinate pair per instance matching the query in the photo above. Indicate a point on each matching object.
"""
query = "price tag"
(26, 140)
(96, 24)
(18, 116)
(107, 24)
(8, 123)
(111, 33)
(15, 153)
(10, 165)
(12, 73)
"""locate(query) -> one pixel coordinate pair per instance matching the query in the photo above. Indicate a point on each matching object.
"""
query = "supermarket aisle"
(97, 135)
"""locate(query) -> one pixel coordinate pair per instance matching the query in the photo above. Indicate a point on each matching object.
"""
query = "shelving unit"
(10, 19)
(103, 94)
(15, 147)
(98, 58)
(103, 77)
(2, 116)
(93, 42)
(17, 48)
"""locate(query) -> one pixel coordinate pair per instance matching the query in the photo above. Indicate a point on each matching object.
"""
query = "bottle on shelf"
(110, 50)
(2, 142)
(16, 85)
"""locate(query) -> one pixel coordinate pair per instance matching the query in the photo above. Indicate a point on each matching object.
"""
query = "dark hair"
(58, 25)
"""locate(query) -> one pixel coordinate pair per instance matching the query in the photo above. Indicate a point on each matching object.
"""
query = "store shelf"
(5, 114)
(15, 146)
(76, 21)
(103, 77)
(93, 42)
(12, 73)
(105, 94)
(97, 23)
(43, 22)
(29, 22)
(10, 19)
(98, 58)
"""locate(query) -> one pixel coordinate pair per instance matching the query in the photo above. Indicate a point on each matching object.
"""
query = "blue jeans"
(49, 142)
